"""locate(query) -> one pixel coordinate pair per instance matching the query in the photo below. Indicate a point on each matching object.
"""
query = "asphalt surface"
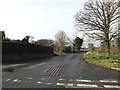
(64, 71)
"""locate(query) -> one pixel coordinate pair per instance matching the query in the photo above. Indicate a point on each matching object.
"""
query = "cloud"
(39, 1)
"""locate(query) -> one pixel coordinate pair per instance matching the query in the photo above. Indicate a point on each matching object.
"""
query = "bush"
(67, 49)
(91, 47)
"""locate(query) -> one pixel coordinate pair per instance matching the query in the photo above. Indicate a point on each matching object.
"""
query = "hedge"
(19, 48)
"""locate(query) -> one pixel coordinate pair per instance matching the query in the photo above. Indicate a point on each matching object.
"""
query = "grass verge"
(112, 62)
(83, 49)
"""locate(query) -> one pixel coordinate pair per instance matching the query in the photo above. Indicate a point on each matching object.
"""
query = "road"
(64, 71)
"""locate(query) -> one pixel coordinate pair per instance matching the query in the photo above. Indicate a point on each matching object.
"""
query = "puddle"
(8, 70)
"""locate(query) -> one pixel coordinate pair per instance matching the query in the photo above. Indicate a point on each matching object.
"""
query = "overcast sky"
(40, 18)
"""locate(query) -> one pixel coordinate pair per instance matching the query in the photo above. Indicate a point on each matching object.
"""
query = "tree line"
(62, 42)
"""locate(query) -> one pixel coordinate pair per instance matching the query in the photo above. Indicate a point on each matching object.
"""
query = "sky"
(41, 19)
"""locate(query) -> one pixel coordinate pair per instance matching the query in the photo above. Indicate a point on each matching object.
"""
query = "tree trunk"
(119, 46)
(107, 42)
(73, 47)
(119, 32)
(77, 48)
(61, 48)
(108, 48)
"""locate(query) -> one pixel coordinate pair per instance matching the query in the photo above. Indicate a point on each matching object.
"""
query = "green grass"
(83, 49)
(105, 61)
(94, 57)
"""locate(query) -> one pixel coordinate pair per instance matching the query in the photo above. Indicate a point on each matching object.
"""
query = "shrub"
(67, 49)
(91, 47)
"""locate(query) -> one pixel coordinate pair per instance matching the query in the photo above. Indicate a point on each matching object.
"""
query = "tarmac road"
(64, 71)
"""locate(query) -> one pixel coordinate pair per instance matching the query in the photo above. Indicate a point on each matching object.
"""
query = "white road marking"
(80, 80)
(34, 66)
(49, 83)
(7, 79)
(29, 78)
(104, 81)
(14, 65)
(89, 85)
(39, 82)
(15, 80)
(70, 84)
(111, 86)
(86, 85)
(19, 81)
(61, 79)
(109, 81)
(60, 84)
(114, 81)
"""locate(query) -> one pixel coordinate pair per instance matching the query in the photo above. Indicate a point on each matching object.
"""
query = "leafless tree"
(72, 43)
(98, 20)
(61, 39)
(119, 32)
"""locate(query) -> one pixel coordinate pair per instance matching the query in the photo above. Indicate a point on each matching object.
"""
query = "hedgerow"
(11, 49)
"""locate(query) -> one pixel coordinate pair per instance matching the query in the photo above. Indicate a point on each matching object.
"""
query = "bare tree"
(98, 20)
(56, 47)
(73, 44)
(61, 39)
(119, 32)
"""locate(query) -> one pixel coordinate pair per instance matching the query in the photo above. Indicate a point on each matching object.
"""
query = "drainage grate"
(54, 71)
